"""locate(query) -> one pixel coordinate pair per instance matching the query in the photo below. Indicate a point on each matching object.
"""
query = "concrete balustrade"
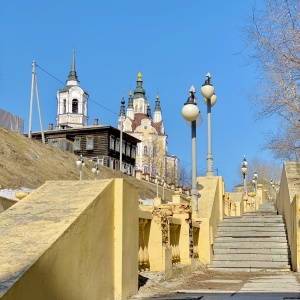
(288, 204)
(165, 232)
(71, 240)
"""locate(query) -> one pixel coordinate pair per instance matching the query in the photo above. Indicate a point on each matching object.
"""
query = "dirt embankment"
(28, 163)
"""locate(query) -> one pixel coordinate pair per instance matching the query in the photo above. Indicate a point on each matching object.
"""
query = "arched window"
(75, 106)
(145, 150)
(65, 106)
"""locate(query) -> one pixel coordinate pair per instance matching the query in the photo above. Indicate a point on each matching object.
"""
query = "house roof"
(72, 132)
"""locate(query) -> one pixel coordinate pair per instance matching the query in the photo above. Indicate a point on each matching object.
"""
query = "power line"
(91, 100)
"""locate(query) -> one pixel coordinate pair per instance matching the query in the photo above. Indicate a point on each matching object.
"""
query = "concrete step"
(251, 245)
(250, 264)
(230, 239)
(252, 228)
(251, 224)
(247, 219)
(247, 269)
(251, 257)
(250, 234)
(250, 251)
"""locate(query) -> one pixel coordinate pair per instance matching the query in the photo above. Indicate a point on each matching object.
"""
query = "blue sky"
(172, 43)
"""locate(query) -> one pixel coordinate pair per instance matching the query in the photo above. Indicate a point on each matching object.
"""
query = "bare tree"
(266, 171)
(273, 38)
(185, 179)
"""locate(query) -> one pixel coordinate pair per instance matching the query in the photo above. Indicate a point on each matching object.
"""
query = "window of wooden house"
(77, 143)
(111, 163)
(123, 147)
(118, 145)
(128, 150)
(89, 142)
(112, 142)
(54, 144)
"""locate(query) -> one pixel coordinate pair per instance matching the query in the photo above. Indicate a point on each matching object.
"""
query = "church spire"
(157, 104)
(72, 79)
(130, 100)
(130, 111)
(157, 111)
(139, 92)
(149, 110)
(122, 109)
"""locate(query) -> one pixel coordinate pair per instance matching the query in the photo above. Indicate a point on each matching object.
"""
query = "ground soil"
(29, 163)
(152, 284)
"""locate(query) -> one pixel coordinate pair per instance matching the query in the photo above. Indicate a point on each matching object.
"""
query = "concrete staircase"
(254, 242)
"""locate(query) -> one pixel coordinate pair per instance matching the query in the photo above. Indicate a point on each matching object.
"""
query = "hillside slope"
(28, 163)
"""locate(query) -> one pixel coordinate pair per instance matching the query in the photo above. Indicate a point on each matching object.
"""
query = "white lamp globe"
(207, 91)
(213, 100)
(244, 170)
(190, 112)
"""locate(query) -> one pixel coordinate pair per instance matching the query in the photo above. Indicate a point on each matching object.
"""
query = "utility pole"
(35, 84)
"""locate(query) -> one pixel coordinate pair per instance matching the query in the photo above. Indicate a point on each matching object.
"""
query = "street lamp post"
(163, 191)
(80, 164)
(210, 99)
(273, 188)
(95, 170)
(121, 137)
(190, 113)
(254, 181)
(244, 172)
(157, 178)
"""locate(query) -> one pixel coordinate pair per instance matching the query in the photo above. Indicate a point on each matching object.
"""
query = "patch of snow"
(10, 194)
(147, 201)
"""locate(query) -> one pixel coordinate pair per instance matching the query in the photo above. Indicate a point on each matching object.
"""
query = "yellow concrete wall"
(211, 212)
(62, 242)
(287, 203)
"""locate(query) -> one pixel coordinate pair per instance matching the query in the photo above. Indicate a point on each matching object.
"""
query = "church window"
(74, 106)
(65, 107)
(136, 167)
(154, 170)
(89, 143)
(145, 150)
(137, 150)
(154, 151)
(135, 108)
(77, 143)
(145, 127)
(146, 169)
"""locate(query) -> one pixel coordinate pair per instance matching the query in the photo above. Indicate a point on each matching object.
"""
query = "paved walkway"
(267, 286)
